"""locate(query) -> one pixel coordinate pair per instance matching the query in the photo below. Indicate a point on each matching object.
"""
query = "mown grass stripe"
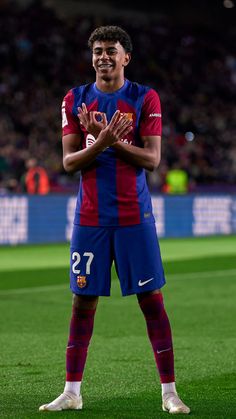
(189, 275)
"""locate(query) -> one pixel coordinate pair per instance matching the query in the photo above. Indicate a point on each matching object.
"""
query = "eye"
(111, 51)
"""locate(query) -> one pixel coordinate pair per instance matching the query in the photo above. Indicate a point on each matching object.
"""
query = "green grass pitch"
(120, 379)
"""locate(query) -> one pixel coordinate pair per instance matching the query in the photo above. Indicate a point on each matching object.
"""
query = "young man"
(112, 133)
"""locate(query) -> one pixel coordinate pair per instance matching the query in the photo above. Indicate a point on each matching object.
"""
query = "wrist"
(117, 145)
(99, 146)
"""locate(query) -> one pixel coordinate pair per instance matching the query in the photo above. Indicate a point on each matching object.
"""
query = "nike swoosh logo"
(164, 350)
(142, 283)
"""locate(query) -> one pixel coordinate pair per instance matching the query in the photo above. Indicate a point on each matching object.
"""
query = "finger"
(104, 119)
(124, 131)
(93, 117)
(114, 118)
(89, 116)
(80, 115)
(84, 107)
(125, 122)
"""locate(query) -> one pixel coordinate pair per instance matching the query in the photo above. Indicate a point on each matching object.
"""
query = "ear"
(127, 59)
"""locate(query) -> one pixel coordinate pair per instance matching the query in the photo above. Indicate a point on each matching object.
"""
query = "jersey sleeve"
(150, 122)
(70, 123)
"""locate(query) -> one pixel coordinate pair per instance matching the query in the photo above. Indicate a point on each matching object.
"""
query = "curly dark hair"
(111, 33)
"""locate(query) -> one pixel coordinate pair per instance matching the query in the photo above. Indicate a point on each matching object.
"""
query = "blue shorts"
(134, 250)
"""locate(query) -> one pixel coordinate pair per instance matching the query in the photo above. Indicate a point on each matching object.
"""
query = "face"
(109, 59)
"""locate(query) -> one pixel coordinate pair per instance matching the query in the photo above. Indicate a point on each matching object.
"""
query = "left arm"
(147, 157)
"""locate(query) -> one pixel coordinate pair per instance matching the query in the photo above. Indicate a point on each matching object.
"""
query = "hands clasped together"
(96, 124)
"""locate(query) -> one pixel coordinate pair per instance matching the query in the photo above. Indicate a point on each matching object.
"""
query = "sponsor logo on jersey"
(81, 281)
(90, 139)
(126, 141)
(154, 115)
(63, 112)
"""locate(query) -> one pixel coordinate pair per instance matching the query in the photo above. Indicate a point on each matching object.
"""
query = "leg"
(90, 276)
(140, 271)
(81, 329)
(159, 332)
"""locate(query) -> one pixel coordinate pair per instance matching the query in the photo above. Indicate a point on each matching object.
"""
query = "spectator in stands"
(176, 181)
(35, 180)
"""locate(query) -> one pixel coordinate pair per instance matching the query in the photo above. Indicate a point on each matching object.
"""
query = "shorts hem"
(139, 291)
(91, 294)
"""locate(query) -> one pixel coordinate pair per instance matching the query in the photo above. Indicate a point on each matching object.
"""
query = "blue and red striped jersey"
(113, 192)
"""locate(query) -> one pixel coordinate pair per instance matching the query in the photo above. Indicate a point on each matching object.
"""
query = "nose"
(104, 54)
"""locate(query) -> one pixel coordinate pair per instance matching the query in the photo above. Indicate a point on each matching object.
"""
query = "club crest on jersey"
(81, 281)
(90, 139)
(129, 115)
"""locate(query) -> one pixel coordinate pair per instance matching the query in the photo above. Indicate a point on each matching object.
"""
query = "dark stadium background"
(185, 49)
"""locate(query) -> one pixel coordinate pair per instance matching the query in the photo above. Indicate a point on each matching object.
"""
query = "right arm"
(75, 159)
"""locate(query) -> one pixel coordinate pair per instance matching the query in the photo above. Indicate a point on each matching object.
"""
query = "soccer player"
(112, 134)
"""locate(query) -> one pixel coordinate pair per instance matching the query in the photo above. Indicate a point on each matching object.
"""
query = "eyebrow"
(106, 49)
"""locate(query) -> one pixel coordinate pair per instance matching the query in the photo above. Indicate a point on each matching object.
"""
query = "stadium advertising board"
(49, 219)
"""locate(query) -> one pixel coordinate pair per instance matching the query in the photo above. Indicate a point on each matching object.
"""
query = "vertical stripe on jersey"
(107, 194)
(89, 204)
(126, 180)
(127, 197)
(89, 191)
(106, 171)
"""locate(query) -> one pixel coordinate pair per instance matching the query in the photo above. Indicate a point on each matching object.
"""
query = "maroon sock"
(81, 329)
(159, 332)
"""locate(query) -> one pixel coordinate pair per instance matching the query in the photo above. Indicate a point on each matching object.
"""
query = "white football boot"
(171, 403)
(64, 402)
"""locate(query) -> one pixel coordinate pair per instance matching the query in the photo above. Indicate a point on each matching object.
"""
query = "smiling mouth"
(105, 66)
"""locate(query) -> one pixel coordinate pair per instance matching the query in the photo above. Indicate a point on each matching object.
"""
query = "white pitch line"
(186, 275)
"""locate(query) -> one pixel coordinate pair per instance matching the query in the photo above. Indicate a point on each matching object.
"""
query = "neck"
(109, 86)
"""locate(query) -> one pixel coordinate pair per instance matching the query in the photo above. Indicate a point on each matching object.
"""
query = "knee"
(142, 295)
(84, 302)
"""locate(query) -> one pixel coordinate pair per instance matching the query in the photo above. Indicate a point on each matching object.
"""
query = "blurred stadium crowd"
(193, 68)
